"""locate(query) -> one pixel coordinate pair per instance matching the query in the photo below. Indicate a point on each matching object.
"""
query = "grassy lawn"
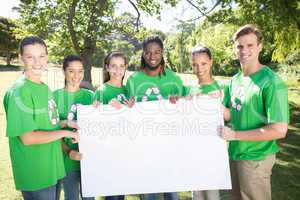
(286, 173)
(9, 68)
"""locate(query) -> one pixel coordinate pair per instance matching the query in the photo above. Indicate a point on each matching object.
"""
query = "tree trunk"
(8, 58)
(87, 63)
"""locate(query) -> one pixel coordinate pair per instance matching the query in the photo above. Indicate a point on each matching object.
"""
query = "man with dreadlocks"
(154, 82)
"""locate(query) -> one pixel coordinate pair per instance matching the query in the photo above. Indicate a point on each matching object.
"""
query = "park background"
(92, 28)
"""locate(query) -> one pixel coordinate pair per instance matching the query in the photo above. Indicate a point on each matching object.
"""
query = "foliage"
(92, 28)
(84, 27)
(178, 48)
(278, 20)
(8, 40)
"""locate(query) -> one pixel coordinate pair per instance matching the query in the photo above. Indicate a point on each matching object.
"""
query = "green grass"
(10, 67)
(286, 172)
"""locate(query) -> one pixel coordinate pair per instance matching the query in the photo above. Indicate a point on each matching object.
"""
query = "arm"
(69, 124)
(226, 113)
(65, 148)
(42, 137)
(71, 153)
(226, 102)
(130, 103)
(265, 133)
(129, 89)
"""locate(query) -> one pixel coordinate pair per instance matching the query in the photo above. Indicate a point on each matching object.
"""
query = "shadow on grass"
(286, 172)
(4, 68)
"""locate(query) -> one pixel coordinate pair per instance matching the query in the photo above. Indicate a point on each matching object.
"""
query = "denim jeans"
(119, 197)
(72, 186)
(167, 196)
(50, 193)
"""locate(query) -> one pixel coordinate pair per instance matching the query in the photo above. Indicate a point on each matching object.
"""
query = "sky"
(182, 11)
(6, 9)
(169, 16)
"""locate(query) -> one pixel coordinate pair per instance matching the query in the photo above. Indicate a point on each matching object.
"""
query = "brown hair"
(71, 58)
(31, 40)
(248, 29)
(107, 60)
(201, 49)
(67, 60)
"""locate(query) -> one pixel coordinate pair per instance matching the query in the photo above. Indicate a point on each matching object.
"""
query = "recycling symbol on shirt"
(238, 98)
(121, 98)
(52, 112)
(152, 90)
(72, 113)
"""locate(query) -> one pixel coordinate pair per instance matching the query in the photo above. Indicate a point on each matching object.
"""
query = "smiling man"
(259, 111)
(154, 82)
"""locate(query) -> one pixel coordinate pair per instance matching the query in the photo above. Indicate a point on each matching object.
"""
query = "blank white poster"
(153, 147)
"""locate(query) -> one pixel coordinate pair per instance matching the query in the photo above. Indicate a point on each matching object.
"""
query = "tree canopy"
(8, 39)
(91, 28)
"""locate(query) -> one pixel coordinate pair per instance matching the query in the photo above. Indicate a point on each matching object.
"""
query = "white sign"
(153, 147)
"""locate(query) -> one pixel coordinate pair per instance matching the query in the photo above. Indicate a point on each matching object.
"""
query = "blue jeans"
(119, 197)
(72, 186)
(50, 193)
(167, 196)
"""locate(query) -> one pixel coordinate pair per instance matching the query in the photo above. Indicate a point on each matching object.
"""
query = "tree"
(81, 23)
(279, 20)
(178, 47)
(8, 40)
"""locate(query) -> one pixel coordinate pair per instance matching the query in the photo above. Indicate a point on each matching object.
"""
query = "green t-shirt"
(108, 92)
(204, 89)
(255, 101)
(149, 88)
(29, 106)
(66, 104)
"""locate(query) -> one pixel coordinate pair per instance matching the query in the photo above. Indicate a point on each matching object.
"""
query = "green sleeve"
(180, 89)
(55, 96)
(58, 98)
(276, 104)
(187, 90)
(221, 85)
(98, 96)
(91, 97)
(19, 108)
(129, 88)
(5, 102)
(226, 98)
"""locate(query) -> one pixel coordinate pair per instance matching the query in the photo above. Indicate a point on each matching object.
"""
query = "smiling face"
(201, 65)
(34, 58)
(153, 54)
(116, 68)
(74, 73)
(247, 49)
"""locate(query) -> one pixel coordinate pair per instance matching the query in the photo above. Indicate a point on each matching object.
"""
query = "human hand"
(70, 134)
(115, 103)
(130, 103)
(75, 155)
(72, 124)
(173, 99)
(189, 97)
(96, 104)
(227, 133)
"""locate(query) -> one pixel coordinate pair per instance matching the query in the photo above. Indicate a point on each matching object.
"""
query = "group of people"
(41, 125)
